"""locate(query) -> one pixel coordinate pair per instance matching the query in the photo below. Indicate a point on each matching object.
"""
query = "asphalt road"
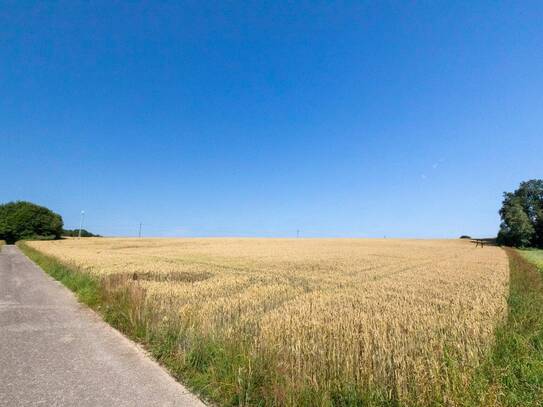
(56, 352)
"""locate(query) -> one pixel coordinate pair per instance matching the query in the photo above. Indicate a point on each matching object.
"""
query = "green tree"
(25, 220)
(522, 216)
(531, 195)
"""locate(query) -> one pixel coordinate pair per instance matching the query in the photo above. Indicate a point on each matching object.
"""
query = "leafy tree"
(25, 220)
(522, 216)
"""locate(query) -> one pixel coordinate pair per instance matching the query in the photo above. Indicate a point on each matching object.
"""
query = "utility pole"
(81, 223)
(139, 232)
(297, 233)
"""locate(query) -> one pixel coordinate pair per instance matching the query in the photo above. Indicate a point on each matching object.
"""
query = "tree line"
(522, 216)
(75, 233)
(25, 220)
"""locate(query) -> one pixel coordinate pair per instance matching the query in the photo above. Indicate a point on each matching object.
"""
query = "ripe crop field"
(310, 321)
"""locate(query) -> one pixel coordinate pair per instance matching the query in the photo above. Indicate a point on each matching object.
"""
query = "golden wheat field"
(367, 312)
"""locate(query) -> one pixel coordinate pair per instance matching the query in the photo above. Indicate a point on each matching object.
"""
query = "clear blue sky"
(260, 118)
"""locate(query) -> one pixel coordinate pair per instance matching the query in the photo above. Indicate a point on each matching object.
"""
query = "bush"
(25, 220)
(465, 237)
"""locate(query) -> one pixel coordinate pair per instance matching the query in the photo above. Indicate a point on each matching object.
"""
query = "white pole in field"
(139, 232)
(81, 223)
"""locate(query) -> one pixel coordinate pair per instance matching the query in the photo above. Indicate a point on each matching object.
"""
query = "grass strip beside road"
(85, 286)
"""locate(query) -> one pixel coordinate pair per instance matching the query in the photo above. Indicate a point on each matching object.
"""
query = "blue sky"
(372, 119)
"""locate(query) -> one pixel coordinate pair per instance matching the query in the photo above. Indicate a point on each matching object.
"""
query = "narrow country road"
(56, 352)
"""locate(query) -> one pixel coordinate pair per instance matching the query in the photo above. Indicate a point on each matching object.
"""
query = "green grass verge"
(86, 288)
(534, 256)
(229, 374)
(513, 373)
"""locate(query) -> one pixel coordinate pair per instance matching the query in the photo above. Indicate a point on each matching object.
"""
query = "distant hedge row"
(75, 233)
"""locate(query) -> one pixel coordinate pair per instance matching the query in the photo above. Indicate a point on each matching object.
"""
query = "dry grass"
(409, 317)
